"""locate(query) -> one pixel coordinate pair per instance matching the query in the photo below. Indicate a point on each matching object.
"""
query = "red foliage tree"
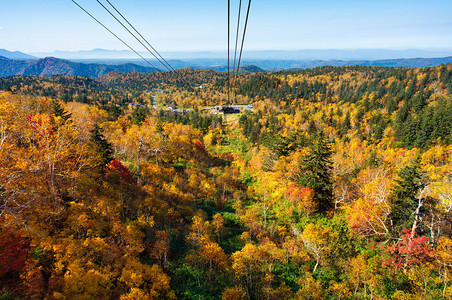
(14, 251)
(409, 251)
(116, 165)
(41, 124)
(199, 145)
(14, 260)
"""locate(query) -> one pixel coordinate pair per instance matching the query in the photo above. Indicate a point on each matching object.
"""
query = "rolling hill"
(15, 54)
(54, 66)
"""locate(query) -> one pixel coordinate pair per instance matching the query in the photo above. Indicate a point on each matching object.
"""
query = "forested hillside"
(112, 88)
(54, 66)
(337, 185)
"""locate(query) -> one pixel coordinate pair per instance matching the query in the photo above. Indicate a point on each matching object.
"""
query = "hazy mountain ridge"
(400, 62)
(15, 54)
(298, 55)
(54, 66)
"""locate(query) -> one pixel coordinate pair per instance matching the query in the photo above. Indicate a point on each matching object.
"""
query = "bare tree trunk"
(316, 265)
(417, 212)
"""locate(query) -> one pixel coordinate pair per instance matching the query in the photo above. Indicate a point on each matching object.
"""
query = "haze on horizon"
(31, 26)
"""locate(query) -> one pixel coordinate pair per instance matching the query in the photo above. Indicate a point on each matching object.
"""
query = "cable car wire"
(243, 37)
(100, 23)
(125, 27)
(237, 33)
(229, 34)
(168, 66)
(139, 34)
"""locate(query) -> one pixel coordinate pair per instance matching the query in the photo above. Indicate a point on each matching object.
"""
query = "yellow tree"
(315, 239)
(369, 214)
(253, 266)
(144, 280)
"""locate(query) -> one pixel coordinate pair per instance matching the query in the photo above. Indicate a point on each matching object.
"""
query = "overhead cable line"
(229, 34)
(114, 34)
(243, 37)
(125, 27)
(167, 64)
(237, 33)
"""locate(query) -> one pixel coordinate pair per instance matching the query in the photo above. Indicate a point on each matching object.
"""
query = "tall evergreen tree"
(419, 102)
(391, 105)
(312, 129)
(140, 114)
(283, 145)
(404, 199)
(346, 125)
(315, 173)
(58, 111)
(101, 144)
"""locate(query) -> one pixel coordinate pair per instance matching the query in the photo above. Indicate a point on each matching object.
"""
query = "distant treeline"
(399, 97)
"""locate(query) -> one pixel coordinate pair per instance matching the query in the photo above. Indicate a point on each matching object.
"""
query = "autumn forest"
(335, 184)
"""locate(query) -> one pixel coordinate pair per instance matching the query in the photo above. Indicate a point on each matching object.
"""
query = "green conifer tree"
(58, 111)
(346, 125)
(101, 144)
(312, 129)
(391, 105)
(315, 173)
(404, 196)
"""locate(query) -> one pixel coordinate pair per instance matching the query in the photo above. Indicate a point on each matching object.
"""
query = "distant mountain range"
(299, 55)
(401, 62)
(54, 66)
(278, 65)
(90, 54)
(15, 54)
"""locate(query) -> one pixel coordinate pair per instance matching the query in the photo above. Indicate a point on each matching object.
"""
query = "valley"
(335, 184)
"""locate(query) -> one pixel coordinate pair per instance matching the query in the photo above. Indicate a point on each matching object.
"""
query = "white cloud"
(1, 27)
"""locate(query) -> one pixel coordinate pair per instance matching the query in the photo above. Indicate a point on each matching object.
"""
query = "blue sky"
(200, 25)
